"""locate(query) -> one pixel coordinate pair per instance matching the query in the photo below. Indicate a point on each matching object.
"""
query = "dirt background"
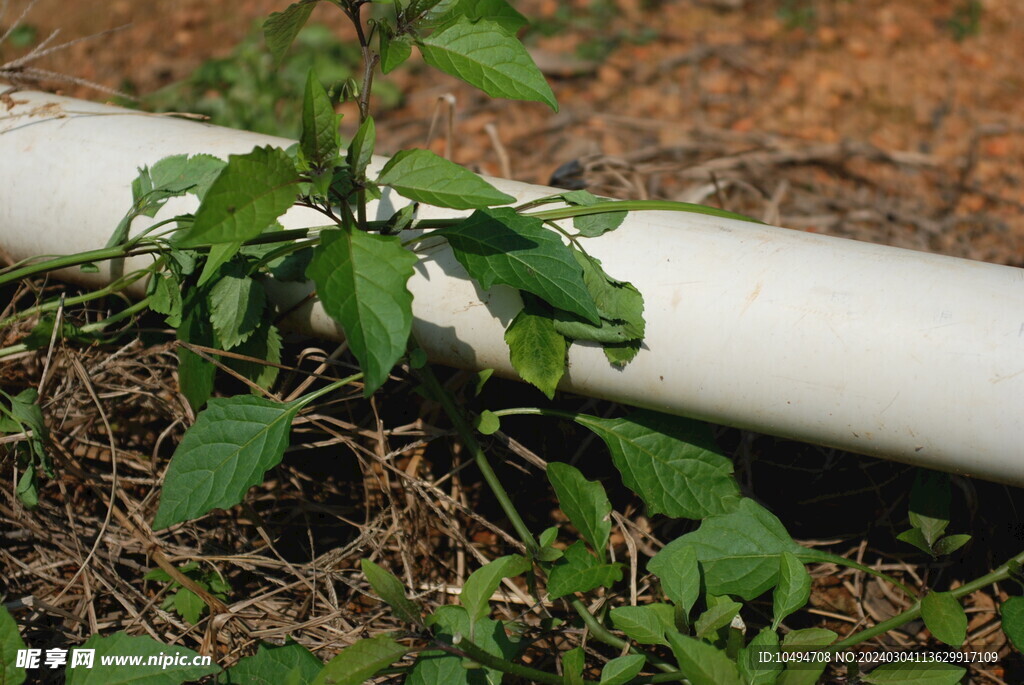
(893, 122)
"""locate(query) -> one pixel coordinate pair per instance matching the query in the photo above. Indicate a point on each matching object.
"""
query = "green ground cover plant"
(207, 281)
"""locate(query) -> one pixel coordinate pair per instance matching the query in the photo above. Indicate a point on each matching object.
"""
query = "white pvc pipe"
(883, 351)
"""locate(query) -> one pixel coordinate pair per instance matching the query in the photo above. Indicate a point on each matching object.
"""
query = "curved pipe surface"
(878, 350)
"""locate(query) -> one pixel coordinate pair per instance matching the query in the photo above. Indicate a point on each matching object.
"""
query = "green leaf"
(670, 462)
(620, 305)
(950, 544)
(944, 616)
(276, 665)
(231, 446)
(482, 583)
(915, 537)
(499, 246)
(422, 176)
(802, 673)
(357, 663)
(915, 673)
(10, 643)
(449, 621)
(717, 616)
(593, 225)
(440, 668)
(320, 137)
(361, 281)
(120, 644)
(249, 195)
(488, 423)
(536, 349)
(166, 299)
(929, 504)
(487, 57)
(573, 662)
(740, 552)
(497, 11)
(701, 663)
(189, 605)
(621, 670)
(677, 568)
(1012, 613)
(263, 344)
(579, 571)
(236, 306)
(393, 50)
(793, 590)
(754, 670)
(645, 624)
(584, 502)
(360, 150)
(391, 590)
(281, 28)
(27, 489)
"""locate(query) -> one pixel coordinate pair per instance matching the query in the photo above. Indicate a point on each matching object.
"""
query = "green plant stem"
(465, 431)
(115, 287)
(1000, 574)
(467, 649)
(636, 206)
(602, 634)
(95, 327)
(68, 261)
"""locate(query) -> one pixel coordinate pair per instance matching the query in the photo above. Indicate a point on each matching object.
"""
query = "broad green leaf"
(929, 504)
(393, 50)
(189, 605)
(757, 671)
(793, 590)
(276, 665)
(391, 590)
(483, 582)
(739, 552)
(585, 503)
(915, 673)
(579, 571)
(10, 643)
(320, 138)
(573, 662)
(950, 543)
(440, 668)
(645, 624)
(360, 150)
(488, 423)
(121, 644)
(193, 175)
(281, 28)
(195, 374)
(536, 349)
(264, 344)
(485, 56)
(593, 225)
(716, 617)
(499, 246)
(422, 176)
(797, 673)
(620, 305)
(236, 306)
(915, 537)
(251, 192)
(449, 621)
(621, 670)
(498, 11)
(166, 299)
(1012, 613)
(27, 489)
(361, 281)
(231, 446)
(944, 616)
(677, 568)
(670, 462)
(701, 663)
(357, 663)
